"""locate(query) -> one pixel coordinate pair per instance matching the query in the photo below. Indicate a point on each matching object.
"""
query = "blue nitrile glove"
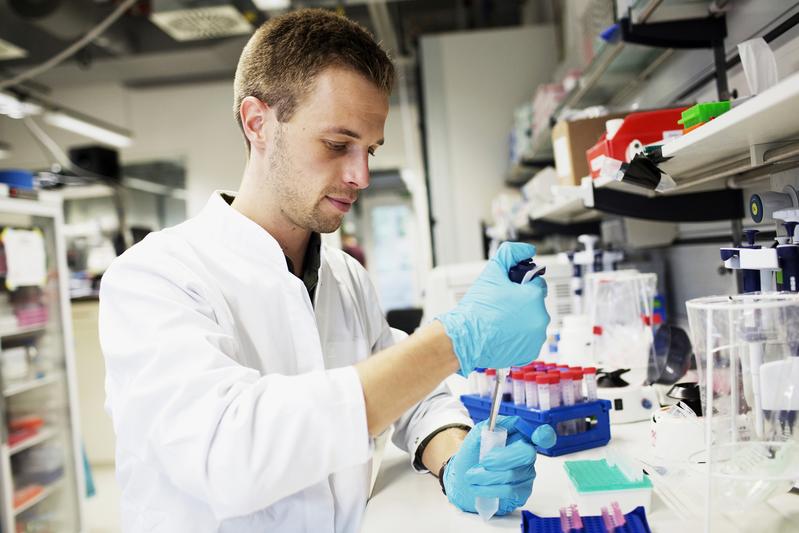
(499, 323)
(505, 473)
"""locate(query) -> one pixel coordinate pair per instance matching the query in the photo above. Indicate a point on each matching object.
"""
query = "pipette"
(491, 437)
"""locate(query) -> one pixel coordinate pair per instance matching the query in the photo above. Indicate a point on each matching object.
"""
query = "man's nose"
(357, 171)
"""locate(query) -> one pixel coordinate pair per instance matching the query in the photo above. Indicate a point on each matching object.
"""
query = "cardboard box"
(570, 140)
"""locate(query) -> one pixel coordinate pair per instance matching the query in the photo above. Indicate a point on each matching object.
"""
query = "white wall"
(472, 82)
(193, 123)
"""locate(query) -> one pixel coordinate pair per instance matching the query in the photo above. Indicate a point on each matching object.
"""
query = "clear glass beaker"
(747, 357)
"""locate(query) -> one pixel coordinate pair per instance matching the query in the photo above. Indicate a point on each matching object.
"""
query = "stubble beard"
(286, 182)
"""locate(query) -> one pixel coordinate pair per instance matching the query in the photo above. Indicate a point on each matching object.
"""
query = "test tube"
(607, 520)
(569, 427)
(589, 376)
(518, 386)
(542, 384)
(491, 380)
(480, 380)
(531, 390)
(618, 516)
(577, 520)
(507, 390)
(554, 391)
(577, 382)
(564, 521)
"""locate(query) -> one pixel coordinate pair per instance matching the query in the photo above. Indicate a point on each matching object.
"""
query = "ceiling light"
(13, 107)
(266, 5)
(104, 134)
(202, 23)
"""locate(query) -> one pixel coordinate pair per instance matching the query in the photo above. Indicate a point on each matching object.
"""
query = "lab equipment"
(788, 250)
(577, 383)
(595, 414)
(695, 116)
(569, 427)
(589, 377)
(490, 438)
(481, 382)
(544, 392)
(634, 522)
(596, 482)
(676, 433)
(491, 381)
(531, 390)
(517, 377)
(522, 272)
(747, 357)
(757, 264)
(467, 479)
(620, 306)
(618, 516)
(485, 328)
(554, 388)
(607, 521)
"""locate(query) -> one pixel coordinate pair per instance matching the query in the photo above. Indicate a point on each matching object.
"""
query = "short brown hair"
(282, 58)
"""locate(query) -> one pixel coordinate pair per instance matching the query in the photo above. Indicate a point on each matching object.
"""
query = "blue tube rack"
(598, 434)
(635, 522)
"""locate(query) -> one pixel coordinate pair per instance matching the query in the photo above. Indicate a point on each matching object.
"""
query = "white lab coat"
(234, 400)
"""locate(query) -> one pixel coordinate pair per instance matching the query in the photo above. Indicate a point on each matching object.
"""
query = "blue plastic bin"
(597, 435)
(21, 179)
(635, 523)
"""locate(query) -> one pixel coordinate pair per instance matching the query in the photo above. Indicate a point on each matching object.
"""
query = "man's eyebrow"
(349, 133)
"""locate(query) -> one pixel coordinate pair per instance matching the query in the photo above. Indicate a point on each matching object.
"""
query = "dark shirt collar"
(311, 261)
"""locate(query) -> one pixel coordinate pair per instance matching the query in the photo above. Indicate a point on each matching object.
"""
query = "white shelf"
(17, 388)
(48, 490)
(19, 332)
(766, 119)
(573, 207)
(43, 435)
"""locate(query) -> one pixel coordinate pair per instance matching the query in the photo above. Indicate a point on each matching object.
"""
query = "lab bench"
(404, 500)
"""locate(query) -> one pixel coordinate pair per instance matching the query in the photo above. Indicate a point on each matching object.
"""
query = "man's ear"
(255, 116)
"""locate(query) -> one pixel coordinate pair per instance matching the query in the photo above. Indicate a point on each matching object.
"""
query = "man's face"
(319, 160)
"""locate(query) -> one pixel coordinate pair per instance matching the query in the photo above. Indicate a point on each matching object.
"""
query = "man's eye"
(336, 147)
(371, 151)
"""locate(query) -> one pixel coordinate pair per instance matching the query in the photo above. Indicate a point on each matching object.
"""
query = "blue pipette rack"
(597, 411)
(635, 522)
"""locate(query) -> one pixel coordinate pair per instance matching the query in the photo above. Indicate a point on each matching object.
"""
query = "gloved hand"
(499, 323)
(505, 473)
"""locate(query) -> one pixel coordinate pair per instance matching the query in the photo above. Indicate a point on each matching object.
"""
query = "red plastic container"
(638, 129)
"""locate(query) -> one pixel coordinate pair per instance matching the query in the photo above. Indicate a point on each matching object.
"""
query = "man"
(249, 368)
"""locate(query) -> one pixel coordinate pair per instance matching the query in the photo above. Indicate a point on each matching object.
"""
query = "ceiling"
(136, 52)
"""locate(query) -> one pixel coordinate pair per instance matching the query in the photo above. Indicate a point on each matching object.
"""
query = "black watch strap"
(441, 475)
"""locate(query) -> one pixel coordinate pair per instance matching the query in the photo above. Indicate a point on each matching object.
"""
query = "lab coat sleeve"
(438, 409)
(219, 431)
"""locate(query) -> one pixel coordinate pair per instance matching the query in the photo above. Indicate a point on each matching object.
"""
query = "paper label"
(26, 259)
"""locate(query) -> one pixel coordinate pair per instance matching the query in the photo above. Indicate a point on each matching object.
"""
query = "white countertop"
(404, 501)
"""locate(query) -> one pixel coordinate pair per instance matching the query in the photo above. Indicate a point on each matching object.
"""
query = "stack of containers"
(546, 393)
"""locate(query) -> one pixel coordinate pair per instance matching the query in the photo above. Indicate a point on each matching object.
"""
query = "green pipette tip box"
(599, 476)
(703, 112)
